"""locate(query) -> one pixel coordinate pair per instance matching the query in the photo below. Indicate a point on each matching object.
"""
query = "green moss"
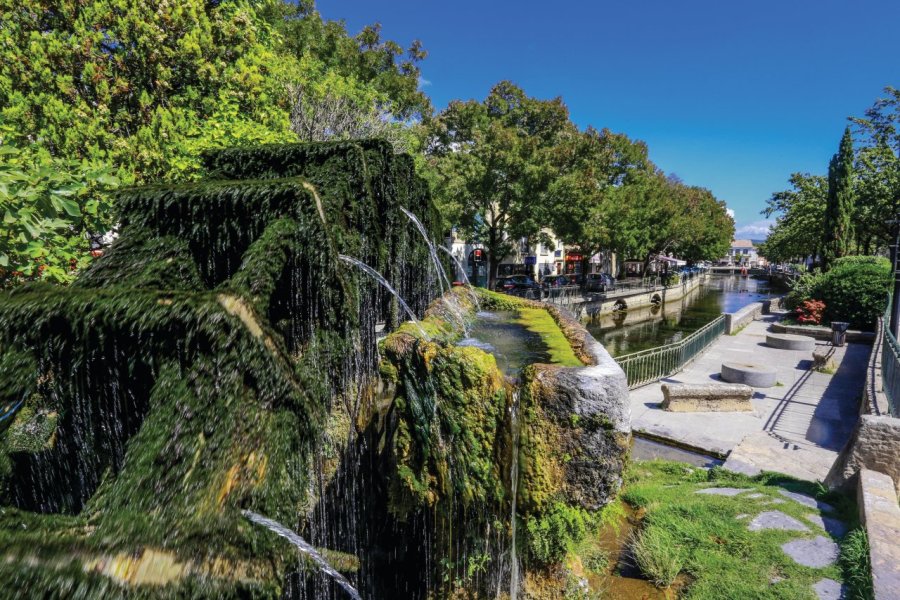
(191, 370)
(539, 321)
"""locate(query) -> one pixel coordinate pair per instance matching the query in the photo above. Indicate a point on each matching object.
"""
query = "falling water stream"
(514, 488)
(380, 279)
(462, 271)
(304, 547)
(442, 275)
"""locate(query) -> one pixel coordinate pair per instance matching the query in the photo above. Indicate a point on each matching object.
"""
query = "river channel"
(641, 329)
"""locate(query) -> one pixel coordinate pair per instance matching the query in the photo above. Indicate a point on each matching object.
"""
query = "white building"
(742, 253)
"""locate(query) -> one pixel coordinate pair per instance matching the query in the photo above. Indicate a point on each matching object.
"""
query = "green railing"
(890, 365)
(652, 365)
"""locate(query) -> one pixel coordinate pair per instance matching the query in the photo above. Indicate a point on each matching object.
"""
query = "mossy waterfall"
(221, 366)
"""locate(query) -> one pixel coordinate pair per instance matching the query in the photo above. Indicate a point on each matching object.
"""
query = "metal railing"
(890, 365)
(652, 365)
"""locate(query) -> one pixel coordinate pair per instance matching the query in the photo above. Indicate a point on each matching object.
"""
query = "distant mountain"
(757, 242)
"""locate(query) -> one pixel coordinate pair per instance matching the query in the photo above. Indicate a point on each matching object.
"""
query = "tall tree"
(800, 219)
(492, 163)
(839, 209)
(591, 165)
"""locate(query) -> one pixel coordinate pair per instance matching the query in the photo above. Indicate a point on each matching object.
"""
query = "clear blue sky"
(731, 95)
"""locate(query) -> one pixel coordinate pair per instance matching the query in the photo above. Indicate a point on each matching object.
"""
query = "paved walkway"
(796, 427)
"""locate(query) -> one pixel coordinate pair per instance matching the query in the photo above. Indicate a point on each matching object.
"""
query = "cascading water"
(304, 547)
(513, 488)
(462, 271)
(442, 275)
(380, 279)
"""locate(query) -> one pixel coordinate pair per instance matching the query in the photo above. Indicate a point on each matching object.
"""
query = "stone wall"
(823, 334)
(875, 445)
(880, 515)
(736, 320)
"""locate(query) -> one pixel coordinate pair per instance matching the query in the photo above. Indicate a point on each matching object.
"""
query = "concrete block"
(881, 517)
(706, 397)
(750, 374)
(789, 341)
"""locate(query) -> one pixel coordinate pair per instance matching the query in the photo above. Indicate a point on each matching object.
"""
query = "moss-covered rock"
(194, 370)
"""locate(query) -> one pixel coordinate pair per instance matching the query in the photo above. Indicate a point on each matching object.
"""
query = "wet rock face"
(590, 412)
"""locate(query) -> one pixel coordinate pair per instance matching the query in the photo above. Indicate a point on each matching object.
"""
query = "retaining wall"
(880, 515)
(875, 445)
(647, 298)
(824, 333)
(736, 320)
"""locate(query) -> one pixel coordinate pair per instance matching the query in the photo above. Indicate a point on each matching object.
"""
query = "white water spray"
(442, 275)
(305, 548)
(380, 279)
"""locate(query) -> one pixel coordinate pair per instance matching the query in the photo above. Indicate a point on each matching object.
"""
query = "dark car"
(518, 285)
(599, 282)
(553, 285)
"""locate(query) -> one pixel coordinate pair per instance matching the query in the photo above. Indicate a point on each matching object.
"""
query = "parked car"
(552, 285)
(599, 282)
(518, 285)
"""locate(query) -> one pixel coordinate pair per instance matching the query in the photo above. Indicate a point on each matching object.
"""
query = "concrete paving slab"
(807, 417)
(775, 519)
(807, 500)
(721, 491)
(834, 527)
(818, 552)
(829, 589)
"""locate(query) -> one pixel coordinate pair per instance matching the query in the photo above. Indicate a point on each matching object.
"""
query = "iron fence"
(890, 365)
(652, 365)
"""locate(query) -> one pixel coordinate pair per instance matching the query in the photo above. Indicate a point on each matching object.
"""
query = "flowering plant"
(810, 312)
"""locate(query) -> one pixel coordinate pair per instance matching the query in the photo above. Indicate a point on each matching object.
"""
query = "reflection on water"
(649, 327)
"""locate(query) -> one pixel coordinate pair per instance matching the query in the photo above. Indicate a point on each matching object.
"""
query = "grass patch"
(659, 555)
(700, 537)
(857, 567)
(539, 321)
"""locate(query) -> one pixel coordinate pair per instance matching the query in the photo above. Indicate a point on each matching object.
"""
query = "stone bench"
(789, 341)
(706, 397)
(748, 374)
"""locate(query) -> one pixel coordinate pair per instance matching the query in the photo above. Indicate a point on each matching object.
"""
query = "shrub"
(658, 555)
(854, 290)
(810, 312)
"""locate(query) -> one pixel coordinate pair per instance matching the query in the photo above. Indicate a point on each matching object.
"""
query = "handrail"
(647, 366)
(890, 365)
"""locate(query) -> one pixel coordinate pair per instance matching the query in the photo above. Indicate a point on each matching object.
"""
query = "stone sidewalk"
(796, 427)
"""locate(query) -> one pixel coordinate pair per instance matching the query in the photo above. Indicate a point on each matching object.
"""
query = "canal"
(632, 331)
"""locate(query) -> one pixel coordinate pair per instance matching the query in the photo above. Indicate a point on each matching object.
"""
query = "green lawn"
(701, 538)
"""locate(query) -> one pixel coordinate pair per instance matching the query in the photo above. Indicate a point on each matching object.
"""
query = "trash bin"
(839, 333)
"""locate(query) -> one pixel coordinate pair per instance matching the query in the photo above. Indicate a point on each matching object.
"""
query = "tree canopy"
(492, 165)
(110, 92)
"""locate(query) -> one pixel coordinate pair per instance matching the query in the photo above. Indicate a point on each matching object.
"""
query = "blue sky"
(730, 95)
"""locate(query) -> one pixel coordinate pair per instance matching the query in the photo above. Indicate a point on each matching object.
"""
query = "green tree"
(381, 66)
(591, 166)
(878, 173)
(800, 219)
(702, 227)
(492, 165)
(143, 88)
(839, 209)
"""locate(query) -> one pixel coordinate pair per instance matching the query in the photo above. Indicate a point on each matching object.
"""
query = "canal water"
(641, 329)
